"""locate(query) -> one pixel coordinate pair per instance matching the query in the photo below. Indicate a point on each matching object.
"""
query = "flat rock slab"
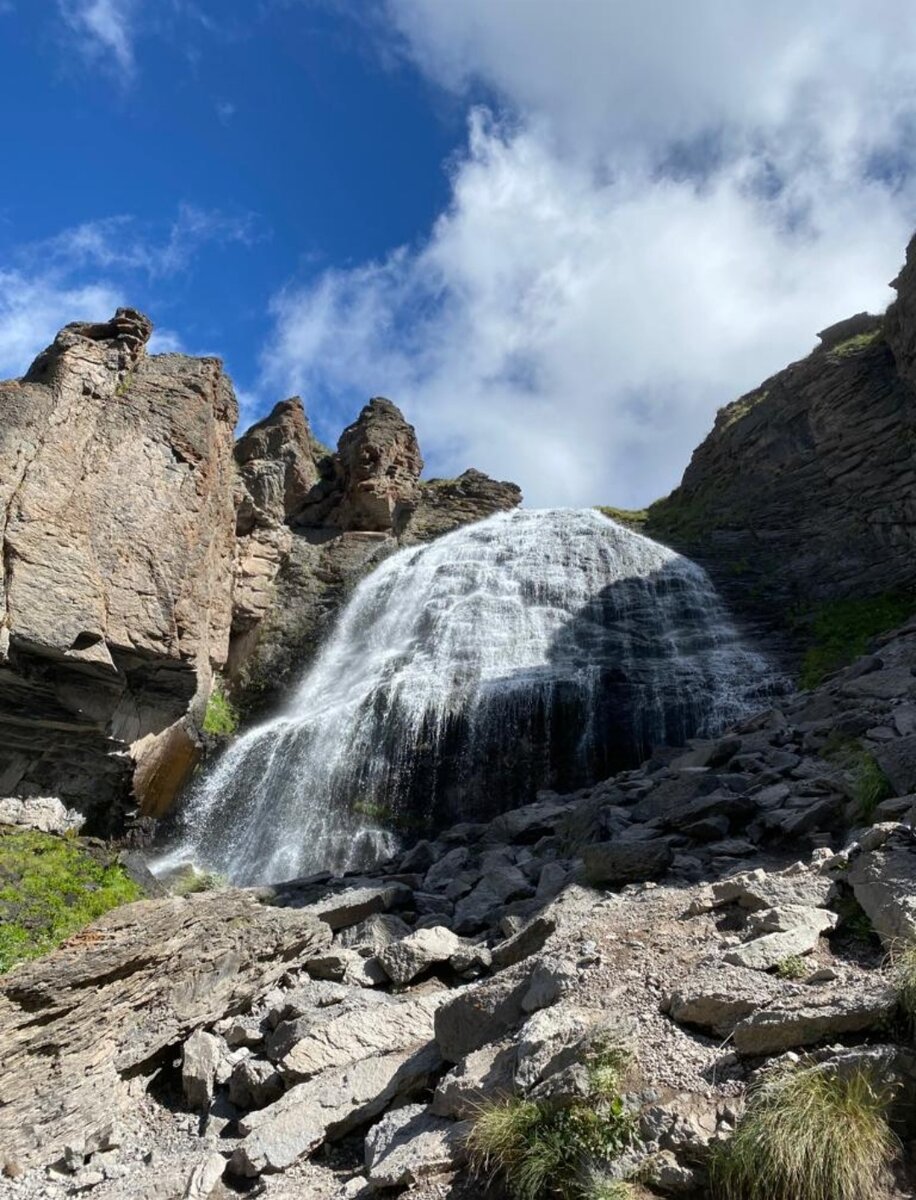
(718, 997)
(133, 983)
(760, 889)
(411, 1143)
(327, 1107)
(763, 953)
(361, 1032)
(804, 1022)
(337, 905)
(486, 1074)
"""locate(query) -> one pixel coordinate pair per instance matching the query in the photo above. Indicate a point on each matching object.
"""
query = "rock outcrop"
(301, 555)
(142, 552)
(116, 529)
(804, 489)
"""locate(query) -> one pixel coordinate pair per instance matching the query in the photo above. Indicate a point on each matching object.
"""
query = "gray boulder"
(411, 1143)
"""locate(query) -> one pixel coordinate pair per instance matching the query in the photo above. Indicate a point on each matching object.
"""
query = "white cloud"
(33, 309)
(104, 29)
(676, 198)
(125, 244)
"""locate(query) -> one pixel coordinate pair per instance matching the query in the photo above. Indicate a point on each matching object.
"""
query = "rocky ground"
(722, 906)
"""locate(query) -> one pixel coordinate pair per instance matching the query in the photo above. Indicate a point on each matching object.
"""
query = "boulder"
(884, 883)
(374, 934)
(339, 906)
(336, 1041)
(530, 939)
(759, 889)
(411, 1143)
(404, 960)
(485, 1074)
(200, 1060)
(804, 1021)
(718, 996)
(619, 862)
(763, 953)
(327, 1107)
(485, 1012)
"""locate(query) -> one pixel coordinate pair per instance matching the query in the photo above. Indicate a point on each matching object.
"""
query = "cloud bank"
(657, 205)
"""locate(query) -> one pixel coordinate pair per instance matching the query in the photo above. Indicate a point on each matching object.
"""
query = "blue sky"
(560, 233)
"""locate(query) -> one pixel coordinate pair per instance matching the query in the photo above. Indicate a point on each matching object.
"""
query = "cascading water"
(536, 648)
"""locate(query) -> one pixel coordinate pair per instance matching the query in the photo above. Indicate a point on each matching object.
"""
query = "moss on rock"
(50, 887)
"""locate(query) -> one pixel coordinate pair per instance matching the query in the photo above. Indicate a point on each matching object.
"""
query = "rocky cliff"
(143, 551)
(804, 489)
(116, 527)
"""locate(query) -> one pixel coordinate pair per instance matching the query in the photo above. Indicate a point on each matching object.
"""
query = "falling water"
(534, 648)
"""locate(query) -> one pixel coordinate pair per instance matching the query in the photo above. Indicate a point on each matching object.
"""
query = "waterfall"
(536, 648)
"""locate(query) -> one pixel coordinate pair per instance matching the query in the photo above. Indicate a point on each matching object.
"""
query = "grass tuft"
(221, 716)
(49, 889)
(541, 1149)
(869, 785)
(793, 967)
(809, 1134)
(634, 518)
(859, 341)
(903, 958)
(601, 1187)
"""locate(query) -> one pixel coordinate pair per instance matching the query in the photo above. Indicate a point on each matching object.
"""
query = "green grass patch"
(861, 341)
(842, 629)
(868, 784)
(221, 716)
(634, 518)
(49, 889)
(739, 409)
(809, 1134)
(793, 967)
(600, 1187)
(189, 881)
(540, 1149)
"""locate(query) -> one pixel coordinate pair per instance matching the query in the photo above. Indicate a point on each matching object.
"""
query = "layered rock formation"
(141, 550)
(701, 911)
(116, 527)
(307, 551)
(804, 489)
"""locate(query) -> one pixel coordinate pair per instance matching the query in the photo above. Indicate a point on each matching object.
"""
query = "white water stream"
(534, 648)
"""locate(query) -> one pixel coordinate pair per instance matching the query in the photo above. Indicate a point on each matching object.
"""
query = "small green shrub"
(840, 631)
(859, 342)
(542, 1149)
(869, 785)
(49, 889)
(221, 716)
(809, 1134)
(793, 967)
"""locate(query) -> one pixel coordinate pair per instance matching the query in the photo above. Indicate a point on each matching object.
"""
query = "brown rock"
(76, 1025)
(116, 527)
